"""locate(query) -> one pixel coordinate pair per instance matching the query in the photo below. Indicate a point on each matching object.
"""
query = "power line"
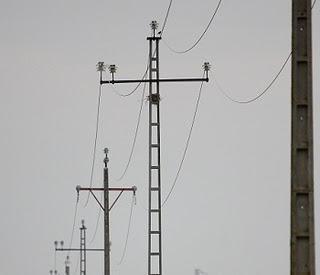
(95, 142)
(97, 225)
(135, 89)
(128, 232)
(201, 36)
(77, 265)
(73, 226)
(186, 146)
(260, 94)
(166, 18)
(135, 134)
(269, 85)
(314, 2)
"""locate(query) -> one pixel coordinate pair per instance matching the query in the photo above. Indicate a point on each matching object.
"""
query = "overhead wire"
(261, 93)
(73, 225)
(269, 86)
(135, 135)
(314, 2)
(166, 18)
(77, 265)
(136, 87)
(97, 224)
(200, 37)
(128, 231)
(95, 143)
(186, 147)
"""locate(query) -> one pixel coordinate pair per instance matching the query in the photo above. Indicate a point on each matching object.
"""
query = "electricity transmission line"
(73, 225)
(135, 134)
(222, 91)
(200, 37)
(186, 147)
(128, 232)
(264, 91)
(95, 142)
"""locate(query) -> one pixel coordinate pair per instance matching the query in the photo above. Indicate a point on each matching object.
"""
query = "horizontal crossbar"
(154, 80)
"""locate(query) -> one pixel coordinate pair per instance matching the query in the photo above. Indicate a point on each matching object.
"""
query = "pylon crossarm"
(77, 249)
(206, 79)
(121, 189)
(132, 189)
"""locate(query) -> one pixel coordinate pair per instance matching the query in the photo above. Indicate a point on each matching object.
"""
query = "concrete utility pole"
(106, 208)
(154, 218)
(106, 214)
(302, 193)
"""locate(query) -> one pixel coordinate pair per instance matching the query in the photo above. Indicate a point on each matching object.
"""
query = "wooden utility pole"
(302, 193)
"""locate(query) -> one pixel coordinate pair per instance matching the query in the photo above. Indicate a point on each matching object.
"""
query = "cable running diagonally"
(166, 18)
(95, 142)
(201, 36)
(186, 146)
(97, 223)
(77, 265)
(73, 226)
(260, 94)
(128, 231)
(314, 2)
(135, 134)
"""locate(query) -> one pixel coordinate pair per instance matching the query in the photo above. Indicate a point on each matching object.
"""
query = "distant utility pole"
(154, 223)
(83, 251)
(106, 208)
(67, 265)
(302, 186)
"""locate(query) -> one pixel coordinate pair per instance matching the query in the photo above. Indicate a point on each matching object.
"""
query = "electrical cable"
(135, 89)
(73, 226)
(201, 36)
(95, 143)
(166, 18)
(97, 224)
(186, 146)
(135, 134)
(268, 86)
(128, 231)
(260, 94)
(77, 265)
(314, 2)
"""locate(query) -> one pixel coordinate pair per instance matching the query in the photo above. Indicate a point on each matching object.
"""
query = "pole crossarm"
(117, 189)
(132, 189)
(78, 249)
(205, 79)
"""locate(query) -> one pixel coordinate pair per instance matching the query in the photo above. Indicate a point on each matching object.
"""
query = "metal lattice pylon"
(154, 226)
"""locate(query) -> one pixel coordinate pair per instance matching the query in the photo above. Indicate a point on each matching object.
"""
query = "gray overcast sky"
(229, 213)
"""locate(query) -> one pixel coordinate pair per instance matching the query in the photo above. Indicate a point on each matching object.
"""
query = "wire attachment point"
(78, 188)
(101, 67)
